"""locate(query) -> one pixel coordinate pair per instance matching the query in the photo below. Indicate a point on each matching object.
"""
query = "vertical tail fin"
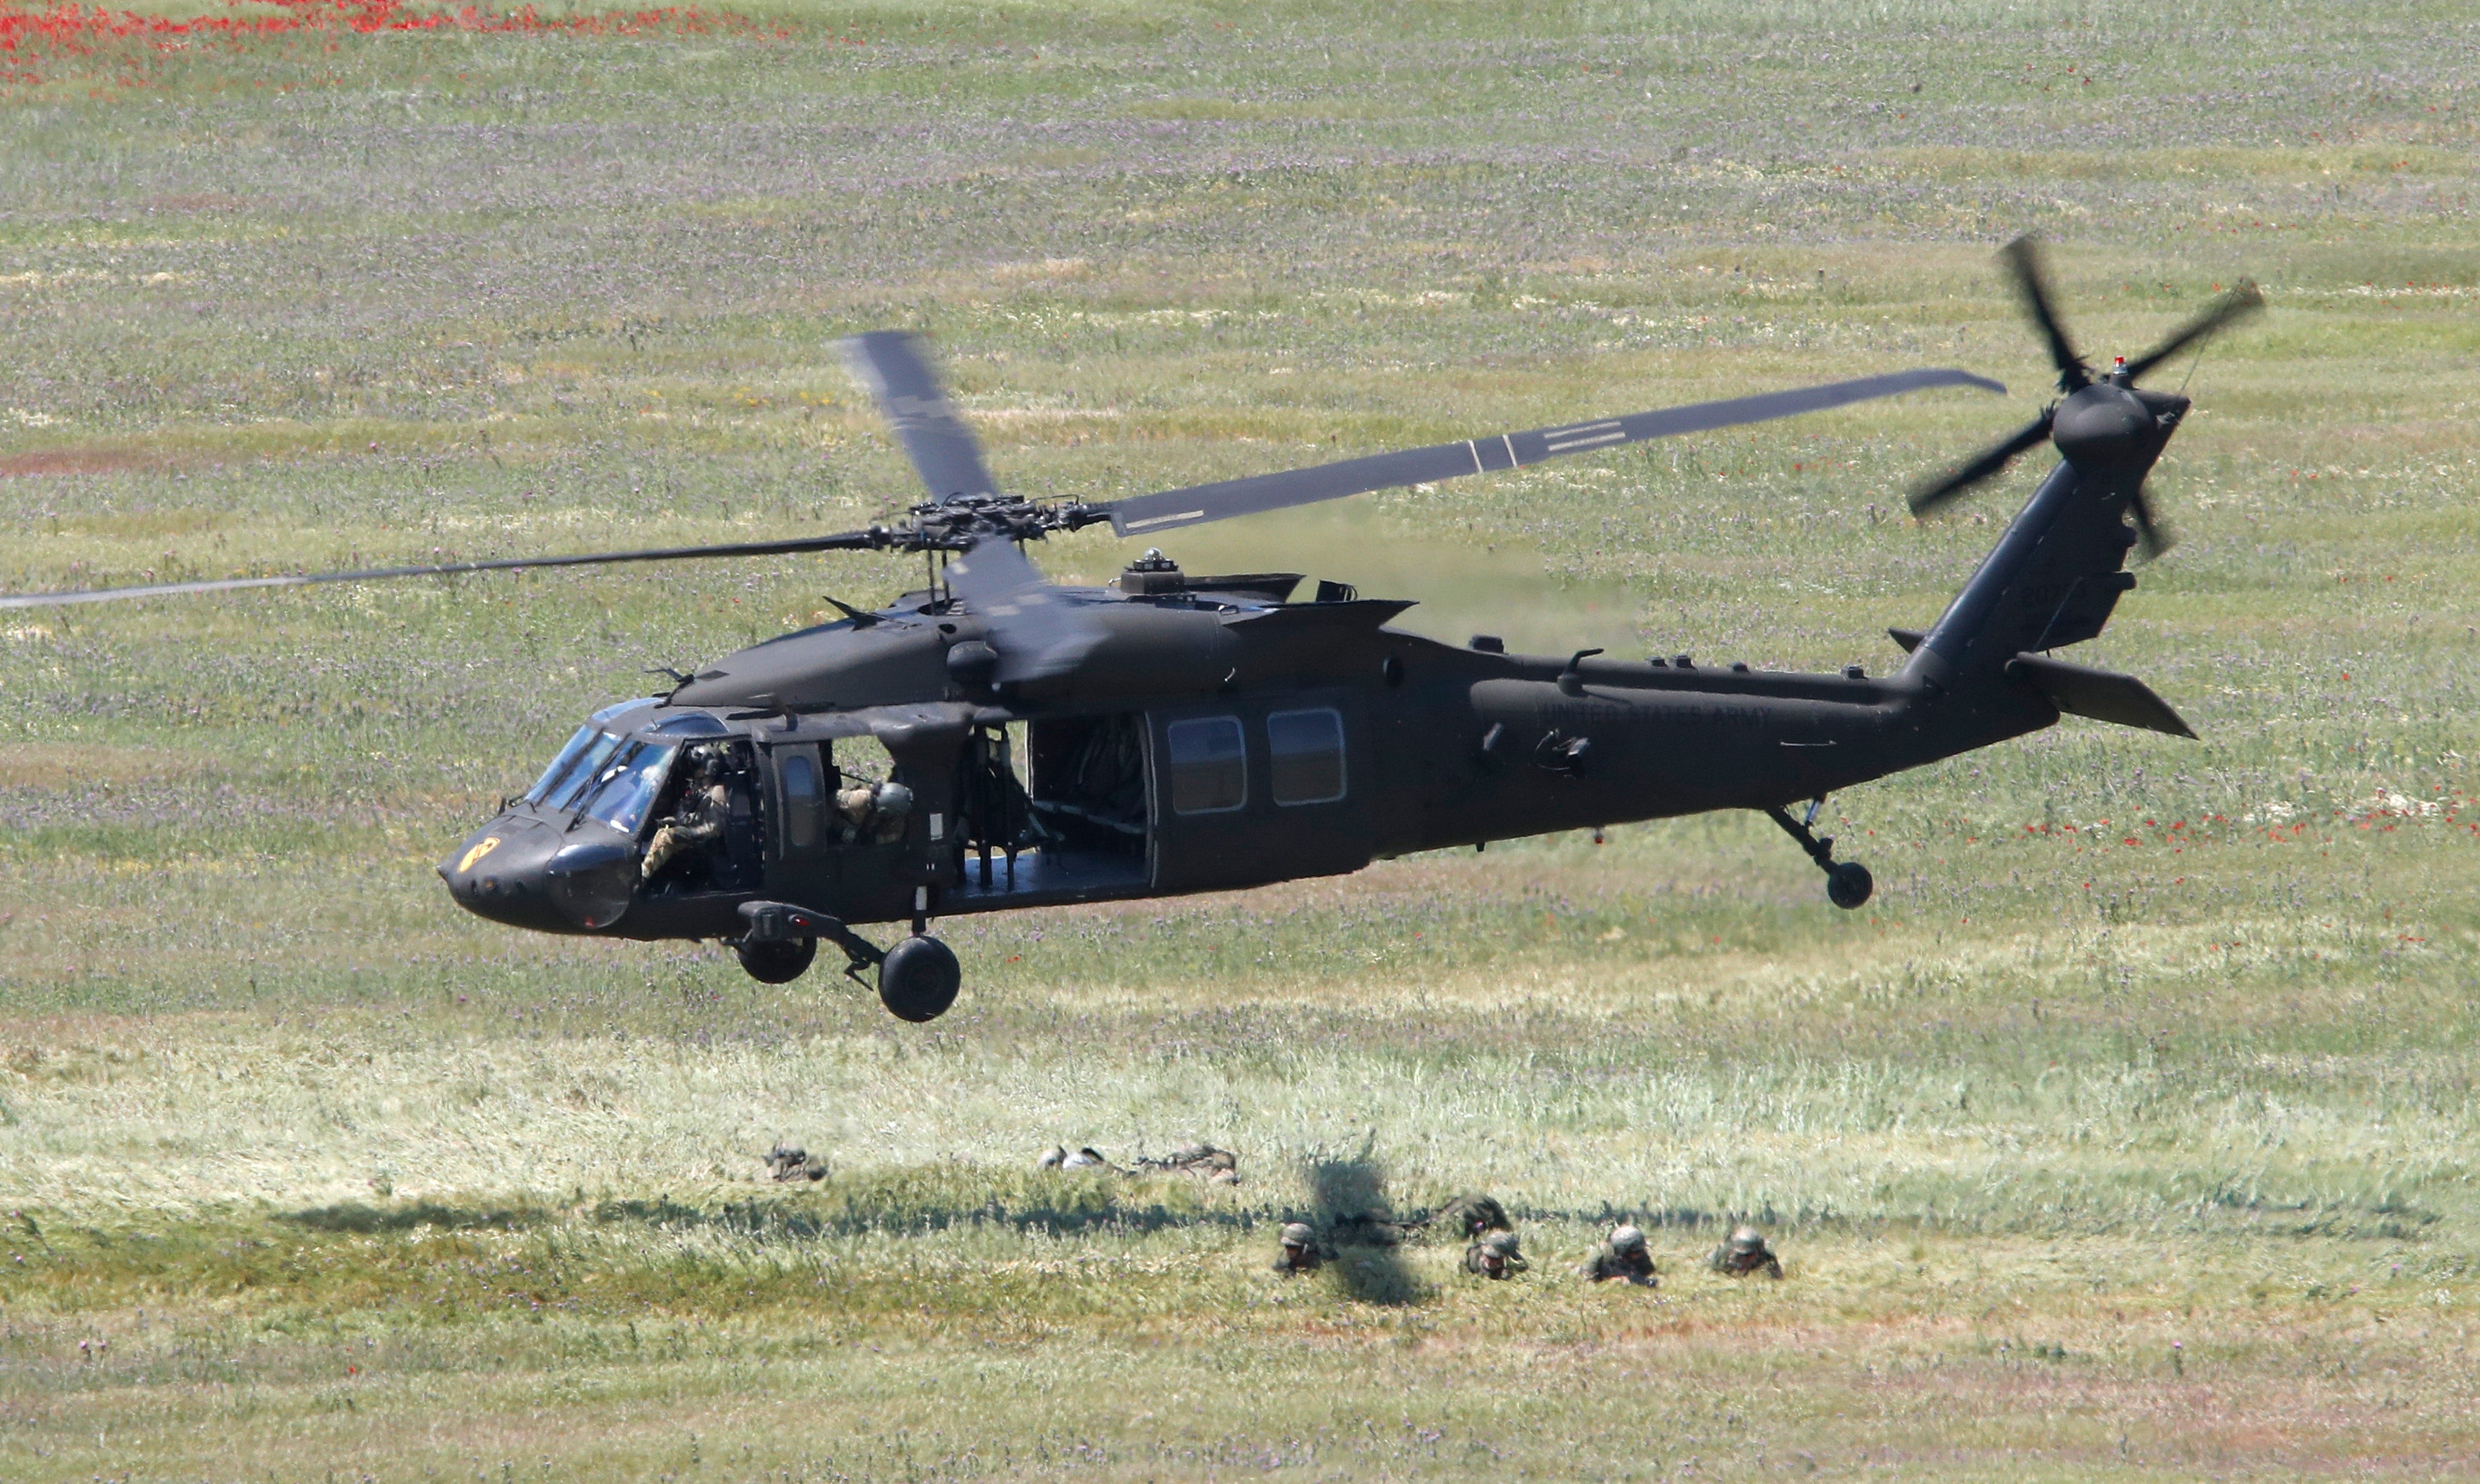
(2050, 581)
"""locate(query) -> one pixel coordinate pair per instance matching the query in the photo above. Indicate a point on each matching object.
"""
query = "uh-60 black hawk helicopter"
(1203, 732)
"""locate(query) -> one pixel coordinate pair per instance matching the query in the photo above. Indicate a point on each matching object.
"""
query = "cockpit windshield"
(625, 788)
(553, 775)
(574, 772)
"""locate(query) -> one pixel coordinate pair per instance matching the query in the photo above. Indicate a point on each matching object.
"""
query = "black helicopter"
(1188, 734)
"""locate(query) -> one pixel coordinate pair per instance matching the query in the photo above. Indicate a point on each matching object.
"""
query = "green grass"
(2086, 1156)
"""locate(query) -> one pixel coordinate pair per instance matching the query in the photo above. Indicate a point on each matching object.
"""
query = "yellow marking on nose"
(489, 845)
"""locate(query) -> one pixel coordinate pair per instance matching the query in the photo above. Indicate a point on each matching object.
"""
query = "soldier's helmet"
(1501, 1243)
(1627, 1238)
(893, 799)
(1297, 1234)
(1746, 1240)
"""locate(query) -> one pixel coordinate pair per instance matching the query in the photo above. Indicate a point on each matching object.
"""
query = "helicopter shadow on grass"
(1086, 1205)
(1349, 1196)
(358, 1218)
(938, 1199)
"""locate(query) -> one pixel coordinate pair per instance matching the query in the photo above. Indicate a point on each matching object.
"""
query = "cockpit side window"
(801, 799)
(627, 785)
(557, 774)
(581, 773)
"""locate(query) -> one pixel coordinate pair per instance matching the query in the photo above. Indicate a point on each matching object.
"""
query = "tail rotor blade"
(2023, 256)
(1987, 466)
(2151, 537)
(1037, 630)
(2236, 305)
(944, 451)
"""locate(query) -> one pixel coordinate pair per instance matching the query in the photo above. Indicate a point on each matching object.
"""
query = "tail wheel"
(920, 979)
(778, 960)
(1848, 885)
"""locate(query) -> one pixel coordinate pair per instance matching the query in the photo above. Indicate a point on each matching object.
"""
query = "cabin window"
(801, 798)
(1209, 767)
(1306, 755)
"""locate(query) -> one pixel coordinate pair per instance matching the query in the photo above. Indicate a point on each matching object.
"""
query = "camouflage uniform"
(790, 1162)
(1744, 1252)
(1298, 1250)
(1367, 1229)
(1623, 1258)
(1218, 1165)
(1470, 1216)
(1495, 1256)
(697, 821)
(874, 814)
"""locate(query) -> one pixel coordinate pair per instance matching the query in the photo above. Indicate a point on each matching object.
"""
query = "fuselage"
(1219, 737)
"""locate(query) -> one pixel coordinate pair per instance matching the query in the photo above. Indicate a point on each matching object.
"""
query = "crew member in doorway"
(873, 813)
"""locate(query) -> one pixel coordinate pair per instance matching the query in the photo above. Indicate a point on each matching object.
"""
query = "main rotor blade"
(2237, 305)
(944, 451)
(2023, 255)
(1997, 457)
(1037, 629)
(1145, 514)
(846, 540)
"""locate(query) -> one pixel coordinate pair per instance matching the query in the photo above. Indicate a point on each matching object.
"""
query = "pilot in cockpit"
(697, 822)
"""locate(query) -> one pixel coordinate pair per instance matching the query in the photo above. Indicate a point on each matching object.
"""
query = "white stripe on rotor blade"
(1162, 520)
(1475, 451)
(1509, 444)
(1594, 433)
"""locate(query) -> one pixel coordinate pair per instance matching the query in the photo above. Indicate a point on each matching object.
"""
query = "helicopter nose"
(502, 872)
(552, 876)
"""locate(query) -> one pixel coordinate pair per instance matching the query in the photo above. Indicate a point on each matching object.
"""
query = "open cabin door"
(1054, 810)
(840, 841)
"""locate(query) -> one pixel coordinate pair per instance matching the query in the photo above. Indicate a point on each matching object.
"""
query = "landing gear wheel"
(778, 960)
(920, 979)
(1847, 885)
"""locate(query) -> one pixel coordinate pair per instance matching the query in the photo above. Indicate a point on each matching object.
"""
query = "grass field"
(2129, 1131)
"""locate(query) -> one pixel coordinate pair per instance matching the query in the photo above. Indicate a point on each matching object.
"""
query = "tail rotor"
(2111, 429)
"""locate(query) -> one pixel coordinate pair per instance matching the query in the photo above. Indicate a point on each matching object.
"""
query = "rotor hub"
(2104, 430)
(1152, 573)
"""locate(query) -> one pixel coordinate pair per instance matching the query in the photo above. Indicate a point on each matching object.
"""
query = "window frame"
(1239, 734)
(1274, 757)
